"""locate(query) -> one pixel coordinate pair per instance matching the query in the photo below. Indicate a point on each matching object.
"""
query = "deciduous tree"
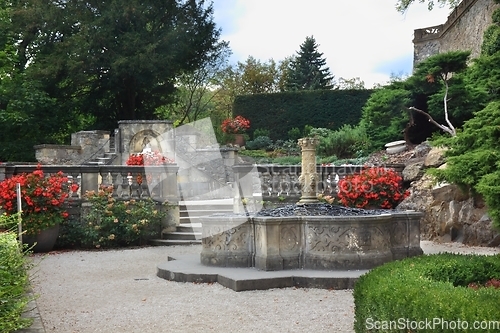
(115, 59)
(403, 5)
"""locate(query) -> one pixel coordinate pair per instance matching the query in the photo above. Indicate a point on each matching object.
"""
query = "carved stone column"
(308, 178)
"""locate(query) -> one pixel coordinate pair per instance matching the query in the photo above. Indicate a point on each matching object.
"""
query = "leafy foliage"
(14, 283)
(473, 159)
(43, 199)
(259, 143)
(346, 142)
(111, 223)
(93, 63)
(402, 5)
(307, 70)
(431, 286)
(384, 115)
(280, 112)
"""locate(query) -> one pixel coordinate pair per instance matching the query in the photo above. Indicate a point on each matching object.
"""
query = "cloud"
(355, 37)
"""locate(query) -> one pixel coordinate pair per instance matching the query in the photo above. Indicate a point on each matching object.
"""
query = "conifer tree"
(308, 69)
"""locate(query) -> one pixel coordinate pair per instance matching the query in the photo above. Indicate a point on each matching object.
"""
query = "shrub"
(347, 142)
(427, 288)
(14, 282)
(111, 223)
(473, 159)
(294, 134)
(43, 199)
(372, 187)
(286, 147)
(287, 160)
(260, 132)
(261, 142)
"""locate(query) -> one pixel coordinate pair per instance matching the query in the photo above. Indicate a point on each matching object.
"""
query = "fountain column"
(308, 177)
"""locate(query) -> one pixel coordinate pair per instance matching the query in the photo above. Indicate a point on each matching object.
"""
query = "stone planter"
(395, 147)
(239, 139)
(44, 241)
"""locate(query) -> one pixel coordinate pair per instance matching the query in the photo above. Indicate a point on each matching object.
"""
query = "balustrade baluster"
(125, 187)
(114, 182)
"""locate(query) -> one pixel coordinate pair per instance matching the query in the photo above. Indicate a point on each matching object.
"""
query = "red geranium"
(235, 126)
(42, 199)
(152, 158)
(372, 187)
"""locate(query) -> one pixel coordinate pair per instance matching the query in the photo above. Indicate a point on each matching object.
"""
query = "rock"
(422, 149)
(482, 233)
(450, 214)
(413, 171)
(447, 192)
(435, 157)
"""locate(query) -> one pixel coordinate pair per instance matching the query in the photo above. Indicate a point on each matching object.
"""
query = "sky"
(368, 39)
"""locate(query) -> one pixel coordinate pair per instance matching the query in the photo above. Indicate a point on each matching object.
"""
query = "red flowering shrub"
(372, 187)
(42, 199)
(153, 158)
(237, 125)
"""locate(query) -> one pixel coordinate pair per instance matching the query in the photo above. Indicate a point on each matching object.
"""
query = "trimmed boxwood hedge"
(279, 113)
(429, 293)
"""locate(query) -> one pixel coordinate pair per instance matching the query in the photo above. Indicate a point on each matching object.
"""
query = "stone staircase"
(189, 230)
(108, 157)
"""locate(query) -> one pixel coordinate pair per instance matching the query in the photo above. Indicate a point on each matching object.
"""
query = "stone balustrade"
(282, 181)
(128, 182)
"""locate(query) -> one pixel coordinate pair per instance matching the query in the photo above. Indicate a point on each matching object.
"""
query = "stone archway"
(144, 139)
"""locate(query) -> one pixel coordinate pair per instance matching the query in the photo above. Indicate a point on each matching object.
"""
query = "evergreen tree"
(307, 70)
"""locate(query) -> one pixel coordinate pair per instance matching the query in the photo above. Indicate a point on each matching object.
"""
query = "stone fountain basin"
(310, 242)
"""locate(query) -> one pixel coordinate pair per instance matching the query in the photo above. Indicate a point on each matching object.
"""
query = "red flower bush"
(42, 199)
(372, 187)
(237, 125)
(153, 158)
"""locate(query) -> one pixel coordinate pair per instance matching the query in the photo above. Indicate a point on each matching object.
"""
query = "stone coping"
(53, 146)
(145, 122)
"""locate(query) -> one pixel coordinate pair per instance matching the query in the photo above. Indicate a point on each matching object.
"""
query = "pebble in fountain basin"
(314, 236)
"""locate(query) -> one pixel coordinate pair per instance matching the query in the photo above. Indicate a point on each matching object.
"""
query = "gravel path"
(118, 291)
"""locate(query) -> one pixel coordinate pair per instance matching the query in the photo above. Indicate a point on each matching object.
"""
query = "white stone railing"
(282, 181)
(127, 182)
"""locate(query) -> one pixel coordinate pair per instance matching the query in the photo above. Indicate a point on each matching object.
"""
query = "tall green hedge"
(280, 112)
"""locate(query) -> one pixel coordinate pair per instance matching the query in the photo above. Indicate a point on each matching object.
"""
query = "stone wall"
(85, 146)
(134, 135)
(463, 30)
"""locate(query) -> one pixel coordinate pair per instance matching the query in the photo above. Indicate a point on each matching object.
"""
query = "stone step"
(204, 212)
(189, 227)
(180, 235)
(206, 207)
(168, 242)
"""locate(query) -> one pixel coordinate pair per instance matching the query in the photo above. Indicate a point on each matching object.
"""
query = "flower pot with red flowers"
(43, 210)
(235, 128)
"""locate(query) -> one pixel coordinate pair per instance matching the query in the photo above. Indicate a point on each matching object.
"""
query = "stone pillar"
(90, 178)
(308, 178)
(2, 171)
(243, 200)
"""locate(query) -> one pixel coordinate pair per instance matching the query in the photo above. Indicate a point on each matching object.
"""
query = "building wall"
(463, 30)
